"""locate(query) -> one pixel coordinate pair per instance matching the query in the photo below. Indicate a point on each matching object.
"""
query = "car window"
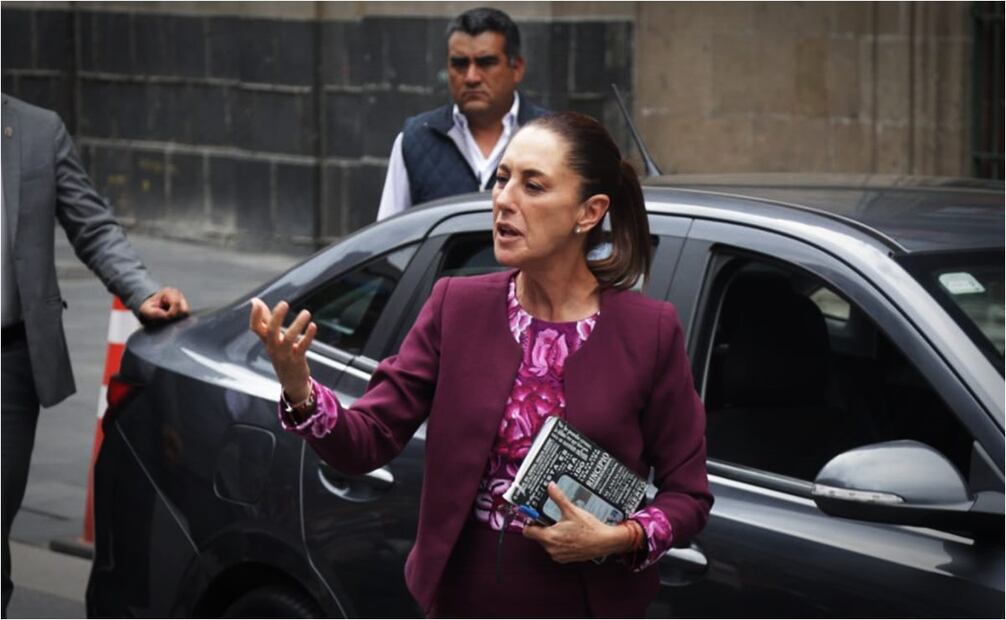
(347, 308)
(796, 374)
(469, 255)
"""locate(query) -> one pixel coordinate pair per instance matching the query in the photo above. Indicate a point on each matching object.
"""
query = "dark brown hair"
(595, 158)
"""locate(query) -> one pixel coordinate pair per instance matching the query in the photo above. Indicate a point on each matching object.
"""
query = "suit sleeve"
(675, 423)
(96, 237)
(376, 428)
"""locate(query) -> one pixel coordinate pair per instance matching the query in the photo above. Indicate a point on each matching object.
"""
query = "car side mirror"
(906, 483)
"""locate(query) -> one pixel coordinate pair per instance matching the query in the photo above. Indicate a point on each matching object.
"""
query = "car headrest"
(778, 347)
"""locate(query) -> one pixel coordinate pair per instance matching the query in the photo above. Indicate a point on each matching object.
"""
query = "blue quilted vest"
(436, 168)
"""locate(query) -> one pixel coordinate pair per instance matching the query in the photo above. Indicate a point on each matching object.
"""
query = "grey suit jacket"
(44, 181)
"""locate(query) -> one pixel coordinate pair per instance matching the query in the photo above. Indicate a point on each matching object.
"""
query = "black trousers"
(20, 417)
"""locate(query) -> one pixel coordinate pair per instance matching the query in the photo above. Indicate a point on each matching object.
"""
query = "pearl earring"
(578, 231)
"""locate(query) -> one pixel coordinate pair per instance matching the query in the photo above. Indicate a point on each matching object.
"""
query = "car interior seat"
(770, 409)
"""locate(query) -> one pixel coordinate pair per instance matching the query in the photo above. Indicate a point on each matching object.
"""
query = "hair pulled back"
(594, 157)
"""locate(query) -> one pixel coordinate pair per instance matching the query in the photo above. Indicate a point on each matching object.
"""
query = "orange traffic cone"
(121, 324)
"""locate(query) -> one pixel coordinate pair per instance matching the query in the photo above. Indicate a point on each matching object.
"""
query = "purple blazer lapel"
(484, 372)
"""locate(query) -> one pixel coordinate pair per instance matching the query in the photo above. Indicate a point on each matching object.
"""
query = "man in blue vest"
(455, 149)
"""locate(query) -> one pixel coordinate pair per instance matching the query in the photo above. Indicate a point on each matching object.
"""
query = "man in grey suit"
(44, 181)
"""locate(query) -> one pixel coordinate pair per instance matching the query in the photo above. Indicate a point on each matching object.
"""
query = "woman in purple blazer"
(491, 357)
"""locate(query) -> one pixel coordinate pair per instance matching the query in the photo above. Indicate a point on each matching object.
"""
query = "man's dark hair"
(474, 22)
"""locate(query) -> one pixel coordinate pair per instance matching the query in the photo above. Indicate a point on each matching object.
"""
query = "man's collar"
(509, 119)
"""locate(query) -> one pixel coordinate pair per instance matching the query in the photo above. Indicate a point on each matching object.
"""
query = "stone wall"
(806, 86)
(270, 123)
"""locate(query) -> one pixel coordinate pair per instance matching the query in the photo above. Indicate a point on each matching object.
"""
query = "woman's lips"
(505, 232)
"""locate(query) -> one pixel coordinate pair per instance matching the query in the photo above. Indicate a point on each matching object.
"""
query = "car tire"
(273, 602)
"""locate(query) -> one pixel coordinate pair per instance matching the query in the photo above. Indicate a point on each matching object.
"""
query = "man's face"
(482, 79)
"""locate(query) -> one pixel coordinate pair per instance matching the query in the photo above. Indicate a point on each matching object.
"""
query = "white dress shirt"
(397, 196)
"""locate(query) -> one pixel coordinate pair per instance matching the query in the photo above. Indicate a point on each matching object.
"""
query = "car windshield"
(970, 286)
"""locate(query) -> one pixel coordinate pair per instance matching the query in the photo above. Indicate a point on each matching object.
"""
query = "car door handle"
(363, 488)
(680, 567)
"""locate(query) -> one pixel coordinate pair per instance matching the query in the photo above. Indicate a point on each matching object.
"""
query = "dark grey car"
(846, 336)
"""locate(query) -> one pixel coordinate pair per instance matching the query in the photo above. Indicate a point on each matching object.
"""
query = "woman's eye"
(534, 188)
(501, 180)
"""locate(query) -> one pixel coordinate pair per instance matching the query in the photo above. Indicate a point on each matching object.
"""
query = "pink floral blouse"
(537, 394)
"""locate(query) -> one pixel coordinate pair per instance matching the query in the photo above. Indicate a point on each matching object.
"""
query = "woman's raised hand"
(286, 348)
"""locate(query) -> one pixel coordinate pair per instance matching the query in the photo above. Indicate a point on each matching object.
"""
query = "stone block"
(691, 17)
(793, 19)
(891, 17)
(701, 145)
(296, 200)
(851, 18)
(892, 150)
(53, 40)
(16, 38)
(335, 62)
(364, 184)
(602, 55)
(673, 74)
(240, 193)
(170, 45)
(344, 123)
(545, 47)
(776, 79)
(790, 144)
(334, 206)
(262, 50)
(114, 109)
(844, 76)
(410, 59)
(106, 42)
(810, 77)
(207, 109)
(186, 183)
(147, 183)
(223, 37)
(111, 171)
(274, 122)
(366, 44)
(850, 146)
(892, 80)
(736, 73)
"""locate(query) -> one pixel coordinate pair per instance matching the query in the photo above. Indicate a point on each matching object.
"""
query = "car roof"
(916, 214)
(902, 214)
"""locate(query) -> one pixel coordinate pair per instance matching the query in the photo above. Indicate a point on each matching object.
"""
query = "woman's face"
(536, 202)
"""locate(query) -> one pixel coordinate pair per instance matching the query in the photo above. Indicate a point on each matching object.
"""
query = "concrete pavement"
(49, 584)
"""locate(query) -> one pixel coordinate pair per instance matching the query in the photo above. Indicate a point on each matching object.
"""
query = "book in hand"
(587, 474)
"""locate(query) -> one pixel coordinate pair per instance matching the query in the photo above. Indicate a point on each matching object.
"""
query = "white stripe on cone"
(121, 324)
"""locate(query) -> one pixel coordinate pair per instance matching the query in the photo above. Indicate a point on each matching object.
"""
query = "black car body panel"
(201, 496)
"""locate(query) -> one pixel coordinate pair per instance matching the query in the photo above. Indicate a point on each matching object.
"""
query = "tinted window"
(797, 374)
(347, 308)
(469, 255)
(969, 285)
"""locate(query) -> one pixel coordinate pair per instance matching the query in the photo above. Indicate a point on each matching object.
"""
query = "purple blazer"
(629, 388)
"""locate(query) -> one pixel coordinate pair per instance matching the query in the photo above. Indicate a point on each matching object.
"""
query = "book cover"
(587, 474)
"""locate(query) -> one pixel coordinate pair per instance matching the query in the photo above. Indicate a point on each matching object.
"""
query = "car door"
(798, 359)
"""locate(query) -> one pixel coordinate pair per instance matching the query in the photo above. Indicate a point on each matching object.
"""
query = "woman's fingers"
(305, 343)
(258, 321)
(292, 333)
(276, 323)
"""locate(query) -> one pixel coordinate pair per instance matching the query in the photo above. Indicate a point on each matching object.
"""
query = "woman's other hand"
(579, 536)
(286, 348)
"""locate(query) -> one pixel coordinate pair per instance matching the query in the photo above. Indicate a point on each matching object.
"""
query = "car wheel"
(273, 602)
